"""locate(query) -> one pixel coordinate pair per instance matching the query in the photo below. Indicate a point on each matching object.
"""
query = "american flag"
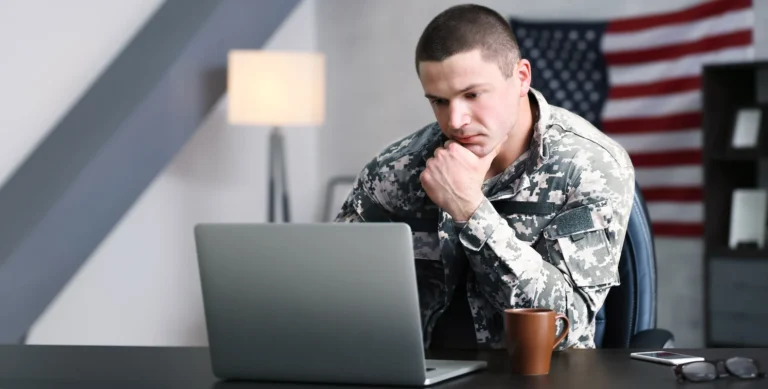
(638, 79)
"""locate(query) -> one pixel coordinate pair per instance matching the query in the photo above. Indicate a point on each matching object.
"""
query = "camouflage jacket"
(548, 234)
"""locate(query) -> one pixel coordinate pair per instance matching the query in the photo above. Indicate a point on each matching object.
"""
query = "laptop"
(316, 303)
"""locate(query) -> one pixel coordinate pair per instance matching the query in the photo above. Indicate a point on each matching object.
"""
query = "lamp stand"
(277, 172)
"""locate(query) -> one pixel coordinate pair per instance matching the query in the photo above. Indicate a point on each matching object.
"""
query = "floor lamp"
(276, 89)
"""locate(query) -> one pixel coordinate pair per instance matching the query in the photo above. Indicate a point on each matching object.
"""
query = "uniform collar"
(517, 176)
(542, 119)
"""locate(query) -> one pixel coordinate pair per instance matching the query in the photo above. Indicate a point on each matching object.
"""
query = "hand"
(454, 178)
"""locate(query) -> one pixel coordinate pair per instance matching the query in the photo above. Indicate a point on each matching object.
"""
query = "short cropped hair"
(465, 28)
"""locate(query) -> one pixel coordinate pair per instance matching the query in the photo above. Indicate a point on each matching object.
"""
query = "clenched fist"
(454, 177)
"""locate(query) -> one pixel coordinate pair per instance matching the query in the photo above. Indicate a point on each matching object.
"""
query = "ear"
(523, 76)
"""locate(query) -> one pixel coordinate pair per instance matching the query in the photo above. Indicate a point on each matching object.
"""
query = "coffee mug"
(530, 338)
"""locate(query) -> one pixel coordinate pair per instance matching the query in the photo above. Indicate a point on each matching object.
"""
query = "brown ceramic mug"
(530, 337)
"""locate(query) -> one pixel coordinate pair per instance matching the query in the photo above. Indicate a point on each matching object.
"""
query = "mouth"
(467, 139)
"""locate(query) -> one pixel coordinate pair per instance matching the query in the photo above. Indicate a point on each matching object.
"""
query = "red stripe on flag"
(656, 88)
(655, 124)
(702, 11)
(667, 158)
(683, 194)
(738, 38)
(681, 230)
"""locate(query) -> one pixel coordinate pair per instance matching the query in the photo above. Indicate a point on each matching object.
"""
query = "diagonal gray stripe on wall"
(74, 188)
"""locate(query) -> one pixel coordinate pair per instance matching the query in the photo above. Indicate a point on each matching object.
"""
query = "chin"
(477, 149)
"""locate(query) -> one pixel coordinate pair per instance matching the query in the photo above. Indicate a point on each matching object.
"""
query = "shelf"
(726, 89)
(724, 120)
(739, 155)
(731, 66)
(726, 252)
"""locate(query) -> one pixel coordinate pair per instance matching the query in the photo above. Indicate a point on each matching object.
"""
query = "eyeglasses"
(703, 371)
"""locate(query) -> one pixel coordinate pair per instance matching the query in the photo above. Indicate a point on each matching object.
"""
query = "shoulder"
(406, 152)
(392, 177)
(600, 177)
(571, 136)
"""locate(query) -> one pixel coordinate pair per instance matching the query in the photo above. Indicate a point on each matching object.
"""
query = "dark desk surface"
(28, 367)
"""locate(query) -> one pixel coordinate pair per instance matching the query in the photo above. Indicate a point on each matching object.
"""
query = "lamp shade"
(276, 88)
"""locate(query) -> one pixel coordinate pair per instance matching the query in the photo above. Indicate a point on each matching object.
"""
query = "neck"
(518, 141)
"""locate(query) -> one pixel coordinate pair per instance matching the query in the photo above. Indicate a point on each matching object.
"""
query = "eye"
(472, 95)
(439, 101)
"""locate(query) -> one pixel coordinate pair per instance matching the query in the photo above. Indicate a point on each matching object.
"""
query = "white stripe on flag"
(669, 176)
(660, 141)
(679, 33)
(679, 67)
(653, 106)
(664, 211)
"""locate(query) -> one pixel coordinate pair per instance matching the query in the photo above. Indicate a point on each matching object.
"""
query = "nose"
(459, 116)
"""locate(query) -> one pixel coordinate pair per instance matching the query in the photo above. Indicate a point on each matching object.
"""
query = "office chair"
(628, 317)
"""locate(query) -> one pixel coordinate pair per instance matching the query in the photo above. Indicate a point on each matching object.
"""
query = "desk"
(86, 367)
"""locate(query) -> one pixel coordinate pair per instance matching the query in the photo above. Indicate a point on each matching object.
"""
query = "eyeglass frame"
(718, 363)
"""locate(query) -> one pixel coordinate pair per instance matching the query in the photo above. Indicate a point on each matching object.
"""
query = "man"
(513, 202)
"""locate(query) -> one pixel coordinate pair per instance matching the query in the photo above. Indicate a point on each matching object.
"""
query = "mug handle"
(566, 328)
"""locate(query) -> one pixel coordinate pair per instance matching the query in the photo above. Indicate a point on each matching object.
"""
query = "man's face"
(474, 104)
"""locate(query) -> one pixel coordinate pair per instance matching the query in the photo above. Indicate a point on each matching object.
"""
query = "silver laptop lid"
(331, 302)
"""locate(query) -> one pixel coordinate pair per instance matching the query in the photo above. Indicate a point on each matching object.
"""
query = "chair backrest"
(631, 306)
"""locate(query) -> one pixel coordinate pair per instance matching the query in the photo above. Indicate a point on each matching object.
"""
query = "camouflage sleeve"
(349, 212)
(583, 244)
(360, 205)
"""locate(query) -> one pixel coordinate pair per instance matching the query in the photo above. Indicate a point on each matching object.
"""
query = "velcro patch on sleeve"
(576, 220)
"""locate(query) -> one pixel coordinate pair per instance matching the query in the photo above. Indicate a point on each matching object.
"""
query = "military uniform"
(548, 233)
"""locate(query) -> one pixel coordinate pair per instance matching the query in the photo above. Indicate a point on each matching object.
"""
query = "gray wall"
(93, 165)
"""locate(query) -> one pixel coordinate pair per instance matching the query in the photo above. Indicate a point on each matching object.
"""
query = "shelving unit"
(736, 280)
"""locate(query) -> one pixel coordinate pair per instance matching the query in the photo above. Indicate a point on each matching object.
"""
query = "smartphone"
(665, 357)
